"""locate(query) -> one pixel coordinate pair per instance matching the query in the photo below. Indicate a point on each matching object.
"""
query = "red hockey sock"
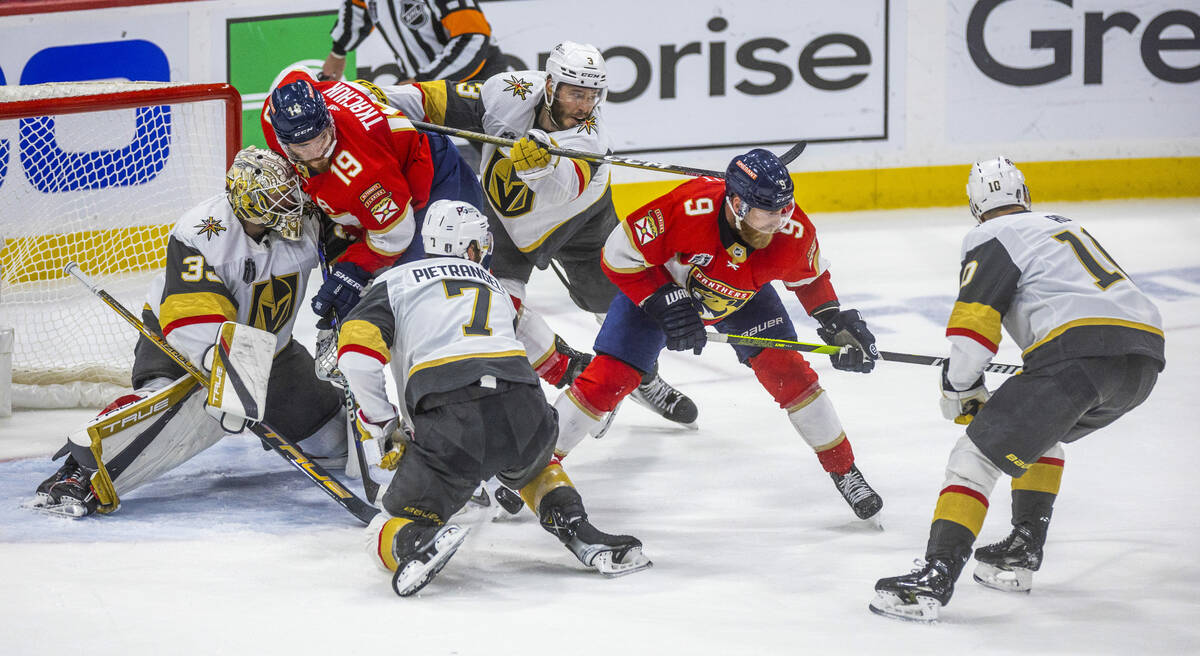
(785, 375)
(838, 459)
(604, 383)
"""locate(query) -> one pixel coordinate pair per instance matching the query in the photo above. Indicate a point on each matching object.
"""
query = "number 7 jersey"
(442, 323)
(1054, 288)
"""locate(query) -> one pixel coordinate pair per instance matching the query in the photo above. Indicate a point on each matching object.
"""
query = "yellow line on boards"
(939, 186)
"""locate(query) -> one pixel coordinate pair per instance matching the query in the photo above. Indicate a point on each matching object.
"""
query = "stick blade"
(793, 152)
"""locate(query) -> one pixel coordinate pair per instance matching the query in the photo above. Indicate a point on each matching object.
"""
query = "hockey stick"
(278, 443)
(594, 158)
(370, 487)
(786, 344)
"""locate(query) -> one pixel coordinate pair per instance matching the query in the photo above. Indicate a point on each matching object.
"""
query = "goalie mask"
(996, 183)
(452, 226)
(263, 189)
(578, 64)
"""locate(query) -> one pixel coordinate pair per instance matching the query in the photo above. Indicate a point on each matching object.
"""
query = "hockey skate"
(1009, 564)
(425, 556)
(855, 490)
(917, 596)
(68, 493)
(563, 515)
(658, 395)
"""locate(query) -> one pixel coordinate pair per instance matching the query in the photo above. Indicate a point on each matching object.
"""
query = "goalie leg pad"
(137, 442)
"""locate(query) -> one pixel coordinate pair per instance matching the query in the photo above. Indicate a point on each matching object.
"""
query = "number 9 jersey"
(443, 323)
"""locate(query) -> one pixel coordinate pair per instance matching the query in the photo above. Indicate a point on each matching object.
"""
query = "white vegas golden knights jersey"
(506, 106)
(442, 323)
(1055, 289)
(216, 273)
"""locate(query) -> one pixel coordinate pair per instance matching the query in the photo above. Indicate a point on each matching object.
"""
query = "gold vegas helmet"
(263, 189)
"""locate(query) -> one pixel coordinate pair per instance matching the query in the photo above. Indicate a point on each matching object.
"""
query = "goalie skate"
(419, 568)
(67, 493)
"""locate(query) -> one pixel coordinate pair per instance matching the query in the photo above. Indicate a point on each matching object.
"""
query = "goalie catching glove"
(530, 155)
(383, 444)
(846, 328)
(239, 366)
(962, 406)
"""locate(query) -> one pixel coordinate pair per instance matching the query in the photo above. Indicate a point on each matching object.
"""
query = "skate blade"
(1017, 579)
(44, 506)
(889, 604)
(408, 580)
(633, 561)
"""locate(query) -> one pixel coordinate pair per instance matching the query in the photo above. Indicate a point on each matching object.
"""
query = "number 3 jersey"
(215, 273)
(442, 323)
(1054, 288)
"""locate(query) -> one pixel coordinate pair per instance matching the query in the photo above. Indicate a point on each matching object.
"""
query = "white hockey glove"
(962, 406)
(530, 156)
(383, 445)
(239, 366)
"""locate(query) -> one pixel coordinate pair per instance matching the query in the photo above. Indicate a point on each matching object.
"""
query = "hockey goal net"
(96, 173)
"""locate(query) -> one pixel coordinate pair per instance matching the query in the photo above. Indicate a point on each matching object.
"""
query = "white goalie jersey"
(506, 106)
(441, 323)
(215, 273)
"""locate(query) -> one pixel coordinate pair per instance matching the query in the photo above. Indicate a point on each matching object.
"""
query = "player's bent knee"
(604, 383)
(786, 376)
(969, 467)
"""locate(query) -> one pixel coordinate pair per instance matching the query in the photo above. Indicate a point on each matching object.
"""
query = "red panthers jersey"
(381, 171)
(683, 237)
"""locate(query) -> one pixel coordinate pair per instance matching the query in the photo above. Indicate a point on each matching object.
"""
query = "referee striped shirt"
(432, 39)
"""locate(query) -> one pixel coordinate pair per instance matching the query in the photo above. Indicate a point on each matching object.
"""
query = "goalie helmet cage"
(98, 173)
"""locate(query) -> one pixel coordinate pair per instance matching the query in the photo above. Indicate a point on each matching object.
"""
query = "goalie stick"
(363, 511)
(332, 374)
(890, 356)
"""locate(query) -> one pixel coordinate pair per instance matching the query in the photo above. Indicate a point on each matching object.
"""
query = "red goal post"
(96, 172)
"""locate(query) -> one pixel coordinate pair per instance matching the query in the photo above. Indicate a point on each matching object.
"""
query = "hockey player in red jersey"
(707, 253)
(368, 168)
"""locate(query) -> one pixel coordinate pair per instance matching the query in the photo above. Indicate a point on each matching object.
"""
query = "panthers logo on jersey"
(719, 300)
(273, 302)
(508, 193)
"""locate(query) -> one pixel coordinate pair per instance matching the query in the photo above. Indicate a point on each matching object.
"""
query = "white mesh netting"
(101, 188)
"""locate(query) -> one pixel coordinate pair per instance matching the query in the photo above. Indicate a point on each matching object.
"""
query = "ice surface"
(754, 551)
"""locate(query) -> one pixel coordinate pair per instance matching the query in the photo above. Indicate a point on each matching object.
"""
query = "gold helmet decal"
(263, 189)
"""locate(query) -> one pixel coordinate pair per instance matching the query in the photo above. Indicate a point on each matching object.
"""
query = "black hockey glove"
(678, 314)
(846, 328)
(339, 293)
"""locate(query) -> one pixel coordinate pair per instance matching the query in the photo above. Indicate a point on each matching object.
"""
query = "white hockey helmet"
(451, 226)
(993, 183)
(580, 64)
(263, 189)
